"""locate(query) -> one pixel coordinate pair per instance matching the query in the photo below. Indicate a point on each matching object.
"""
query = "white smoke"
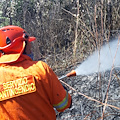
(109, 53)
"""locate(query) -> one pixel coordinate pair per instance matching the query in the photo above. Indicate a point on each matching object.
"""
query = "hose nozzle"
(72, 73)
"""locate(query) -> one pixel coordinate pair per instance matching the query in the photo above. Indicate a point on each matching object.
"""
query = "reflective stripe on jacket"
(25, 104)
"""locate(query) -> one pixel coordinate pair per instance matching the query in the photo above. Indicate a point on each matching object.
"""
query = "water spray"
(100, 61)
(70, 74)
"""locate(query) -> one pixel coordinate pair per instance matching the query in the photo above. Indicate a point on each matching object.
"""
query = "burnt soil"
(88, 91)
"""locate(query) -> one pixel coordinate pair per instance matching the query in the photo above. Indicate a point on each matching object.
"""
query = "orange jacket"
(29, 90)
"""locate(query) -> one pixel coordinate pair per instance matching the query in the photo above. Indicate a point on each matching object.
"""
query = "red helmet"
(12, 43)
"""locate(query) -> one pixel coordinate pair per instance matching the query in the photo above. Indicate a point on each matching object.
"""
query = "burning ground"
(88, 91)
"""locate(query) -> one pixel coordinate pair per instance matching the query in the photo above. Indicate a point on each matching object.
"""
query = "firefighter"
(29, 90)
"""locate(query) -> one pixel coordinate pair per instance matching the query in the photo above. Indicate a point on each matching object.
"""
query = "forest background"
(67, 31)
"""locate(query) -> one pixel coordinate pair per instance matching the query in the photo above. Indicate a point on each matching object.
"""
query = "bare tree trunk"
(109, 17)
(76, 29)
(10, 13)
(102, 27)
(10, 19)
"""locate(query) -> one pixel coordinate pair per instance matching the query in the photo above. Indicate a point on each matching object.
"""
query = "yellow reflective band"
(63, 103)
(17, 87)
